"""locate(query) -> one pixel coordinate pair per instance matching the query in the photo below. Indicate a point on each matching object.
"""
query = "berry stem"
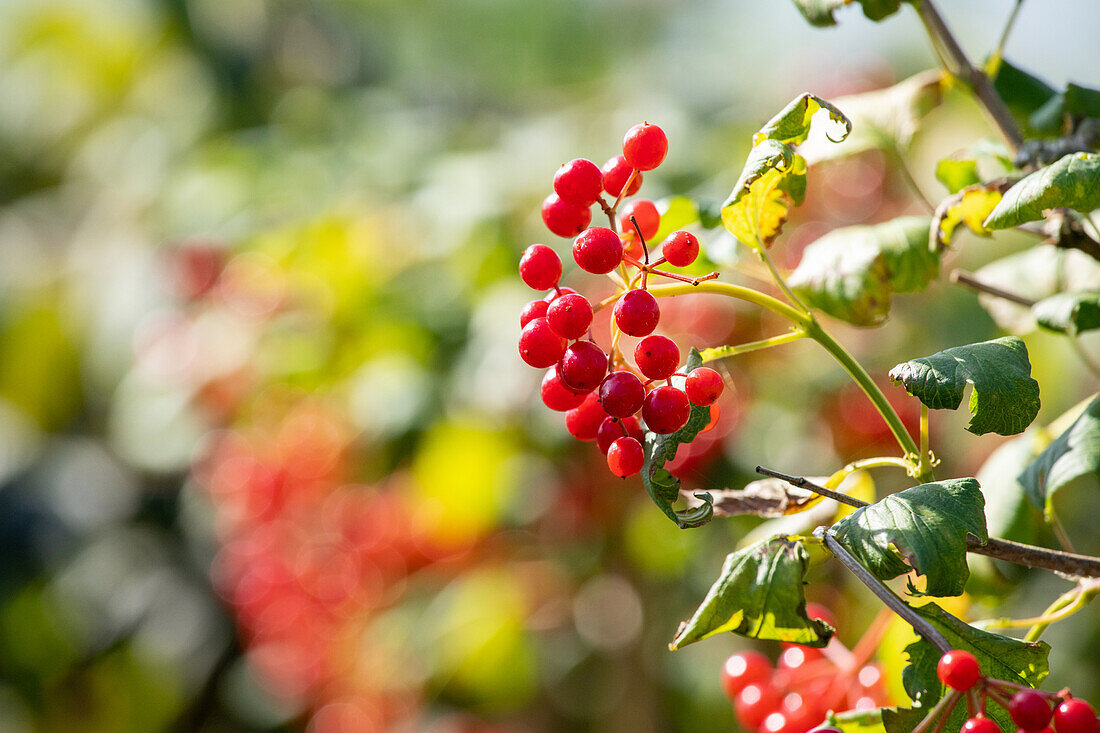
(940, 711)
(610, 211)
(638, 231)
(725, 352)
(622, 192)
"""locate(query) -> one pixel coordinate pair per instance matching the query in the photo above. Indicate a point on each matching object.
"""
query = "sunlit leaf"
(970, 206)
(773, 180)
(1073, 455)
(769, 497)
(1070, 313)
(820, 12)
(957, 174)
(1072, 182)
(792, 124)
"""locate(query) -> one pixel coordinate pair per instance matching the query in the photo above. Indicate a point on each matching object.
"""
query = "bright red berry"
(1075, 716)
(795, 656)
(579, 182)
(570, 315)
(625, 457)
(637, 313)
(615, 173)
(958, 670)
(531, 311)
(800, 713)
(615, 427)
(598, 250)
(1030, 710)
(645, 213)
(703, 386)
(644, 146)
(540, 267)
(743, 669)
(583, 421)
(666, 410)
(563, 218)
(621, 394)
(556, 395)
(582, 366)
(680, 248)
(657, 356)
(981, 724)
(539, 346)
(754, 704)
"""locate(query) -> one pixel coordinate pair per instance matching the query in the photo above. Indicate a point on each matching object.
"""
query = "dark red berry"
(540, 267)
(743, 669)
(563, 218)
(981, 724)
(644, 146)
(539, 346)
(557, 293)
(598, 250)
(531, 311)
(1075, 716)
(556, 395)
(583, 421)
(680, 248)
(570, 315)
(625, 457)
(754, 704)
(579, 182)
(583, 366)
(615, 173)
(703, 386)
(637, 313)
(645, 213)
(666, 410)
(657, 356)
(616, 427)
(621, 394)
(958, 670)
(1030, 710)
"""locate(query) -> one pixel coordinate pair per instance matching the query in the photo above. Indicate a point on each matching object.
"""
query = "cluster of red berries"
(805, 684)
(601, 394)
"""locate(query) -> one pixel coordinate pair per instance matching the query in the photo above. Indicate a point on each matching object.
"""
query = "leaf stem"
(964, 278)
(881, 462)
(925, 453)
(725, 352)
(723, 288)
(998, 52)
(1064, 607)
(762, 252)
(803, 483)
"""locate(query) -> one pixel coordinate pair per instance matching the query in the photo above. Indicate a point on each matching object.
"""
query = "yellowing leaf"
(970, 206)
(773, 180)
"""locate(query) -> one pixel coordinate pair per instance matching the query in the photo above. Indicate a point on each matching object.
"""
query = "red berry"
(570, 315)
(743, 669)
(980, 724)
(958, 670)
(615, 173)
(579, 182)
(666, 410)
(583, 366)
(540, 267)
(625, 457)
(813, 610)
(680, 248)
(531, 311)
(800, 712)
(637, 313)
(598, 250)
(703, 386)
(778, 722)
(645, 213)
(556, 395)
(754, 704)
(621, 394)
(644, 146)
(615, 427)
(794, 656)
(557, 293)
(657, 356)
(563, 218)
(1075, 716)
(1030, 710)
(539, 346)
(583, 422)
(715, 415)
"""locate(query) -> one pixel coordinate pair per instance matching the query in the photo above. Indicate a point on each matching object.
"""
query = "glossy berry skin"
(625, 457)
(795, 656)
(570, 316)
(583, 366)
(614, 427)
(755, 703)
(645, 146)
(958, 670)
(703, 386)
(616, 171)
(637, 313)
(563, 218)
(645, 213)
(1075, 716)
(558, 293)
(666, 410)
(531, 311)
(743, 669)
(540, 267)
(539, 346)
(556, 395)
(579, 182)
(680, 248)
(1030, 710)
(657, 356)
(981, 724)
(621, 394)
(598, 250)
(583, 422)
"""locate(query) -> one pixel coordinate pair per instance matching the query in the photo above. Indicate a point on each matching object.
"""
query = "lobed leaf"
(1071, 182)
(1072, 455)
(970, 206)
(926, 525)
(1005, 398)
(759, 595)
(1070, 313)
(820, 12)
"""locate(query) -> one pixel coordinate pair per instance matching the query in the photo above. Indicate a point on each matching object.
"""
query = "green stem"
(881, 462)
(730, 291)
(762, 251)
(924, 461)
(724, 352)
(1065, 606)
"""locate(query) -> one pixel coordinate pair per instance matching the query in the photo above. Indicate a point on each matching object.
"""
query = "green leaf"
(1072, 455)
(820, 12)
(851, 273)
(1005, 398)
(773, 180)
(677, 212)
(792, 124)
(970, 206)
(1070, 313)
(759, 595)
(1071, 182)
(926, 525)
(662, 486)
(957, 174)
(1022, 93)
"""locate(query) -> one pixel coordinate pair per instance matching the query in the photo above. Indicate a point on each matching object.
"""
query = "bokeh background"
(268, 458)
